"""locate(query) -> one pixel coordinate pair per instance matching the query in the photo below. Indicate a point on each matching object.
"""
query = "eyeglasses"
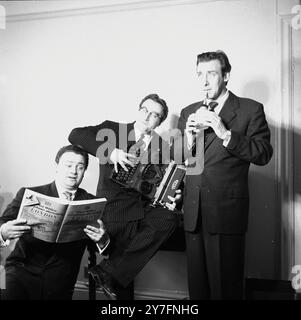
(153, 115)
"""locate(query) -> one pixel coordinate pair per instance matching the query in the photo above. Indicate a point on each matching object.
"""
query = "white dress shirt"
(221, 101)
(61, 191)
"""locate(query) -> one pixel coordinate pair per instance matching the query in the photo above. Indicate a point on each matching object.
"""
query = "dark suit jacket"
(36, 255)
(220, 194)
(100, 140)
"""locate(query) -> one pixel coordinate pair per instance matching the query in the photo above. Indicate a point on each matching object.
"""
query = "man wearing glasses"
(136, 229)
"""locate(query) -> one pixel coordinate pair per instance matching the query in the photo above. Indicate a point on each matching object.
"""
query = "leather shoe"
(104, 281)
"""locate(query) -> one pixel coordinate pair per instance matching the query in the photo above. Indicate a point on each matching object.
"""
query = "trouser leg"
(196, 266)
(124, 293)
(145, 237)
(21, 285)
(215, 265)
(225, 265)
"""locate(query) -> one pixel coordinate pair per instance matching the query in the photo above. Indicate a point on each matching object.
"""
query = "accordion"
(154, 181)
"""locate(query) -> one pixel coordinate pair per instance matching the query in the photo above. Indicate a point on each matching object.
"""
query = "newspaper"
(59, 220)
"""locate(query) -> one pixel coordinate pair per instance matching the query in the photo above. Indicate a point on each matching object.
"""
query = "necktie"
(209, 132)
(212, 105)
(67, 195)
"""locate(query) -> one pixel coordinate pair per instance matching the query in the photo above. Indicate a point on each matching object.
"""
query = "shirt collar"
(221, 101)
(61, 190)
(147, 137)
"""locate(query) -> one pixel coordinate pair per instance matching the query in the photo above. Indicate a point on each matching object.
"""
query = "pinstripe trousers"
(133, 243)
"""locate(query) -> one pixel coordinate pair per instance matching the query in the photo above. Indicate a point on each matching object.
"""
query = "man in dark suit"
(38, 270)
(136, 229)
(216, 200)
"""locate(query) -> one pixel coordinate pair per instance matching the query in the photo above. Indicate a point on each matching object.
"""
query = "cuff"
(226, 138)
(190, 140)
(102, 246)
(2, 242)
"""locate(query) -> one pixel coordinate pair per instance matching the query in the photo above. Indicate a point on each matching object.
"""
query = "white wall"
(76, 69)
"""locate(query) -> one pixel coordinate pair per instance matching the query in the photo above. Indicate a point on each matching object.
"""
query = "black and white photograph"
(149, 151)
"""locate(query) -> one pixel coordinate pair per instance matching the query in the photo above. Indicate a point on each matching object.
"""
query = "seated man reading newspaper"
(47, 269)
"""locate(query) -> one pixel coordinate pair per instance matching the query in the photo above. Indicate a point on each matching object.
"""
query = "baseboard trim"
(156, 294)
(82, 290)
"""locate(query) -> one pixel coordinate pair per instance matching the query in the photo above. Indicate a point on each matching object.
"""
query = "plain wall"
(57, 73)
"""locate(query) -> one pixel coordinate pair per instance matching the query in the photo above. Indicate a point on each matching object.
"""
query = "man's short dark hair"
(157, 99)
(215, 55)
(75, 149)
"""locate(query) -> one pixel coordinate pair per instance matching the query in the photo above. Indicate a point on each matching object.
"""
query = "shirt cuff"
(190, 140)
(113, 153)
(226, 138)
(2, 242)
(102, 246)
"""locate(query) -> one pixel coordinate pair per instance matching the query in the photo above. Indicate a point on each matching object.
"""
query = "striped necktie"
(68, 195)
(209, 132)
(212, 105)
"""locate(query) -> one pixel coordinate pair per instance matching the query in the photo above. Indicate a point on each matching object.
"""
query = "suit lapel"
(228, 112)
(125, 135)
(209, 139)
(154, 149)
(196, 107)
(53, 190)
(79, 195)
(131, 133)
